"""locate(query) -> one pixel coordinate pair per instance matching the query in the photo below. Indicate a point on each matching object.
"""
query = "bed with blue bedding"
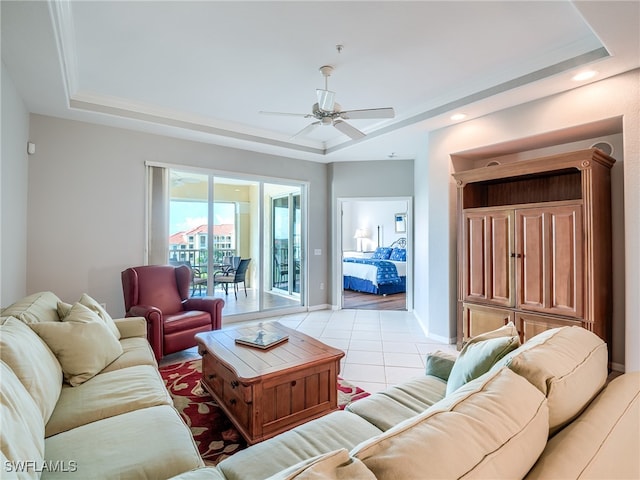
(384, 273)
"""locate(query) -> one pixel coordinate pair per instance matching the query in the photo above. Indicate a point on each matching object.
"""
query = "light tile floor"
(382, 348)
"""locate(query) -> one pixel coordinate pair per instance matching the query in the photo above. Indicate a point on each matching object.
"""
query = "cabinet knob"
(212, 376)
(516, 255)
(233, 401)
(234, 383)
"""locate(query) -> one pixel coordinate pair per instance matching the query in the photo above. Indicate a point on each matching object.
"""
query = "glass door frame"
(260, 182)
(294, 203)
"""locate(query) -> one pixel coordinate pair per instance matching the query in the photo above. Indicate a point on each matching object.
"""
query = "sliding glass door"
(286, 240)
(220, 225)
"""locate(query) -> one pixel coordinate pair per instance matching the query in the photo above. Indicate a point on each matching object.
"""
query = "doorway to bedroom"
(375, 256)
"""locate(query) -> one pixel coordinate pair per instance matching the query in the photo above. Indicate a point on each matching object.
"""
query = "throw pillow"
(382, 253)
(481, 353)
(64, 309)
(439, 364)
(81, 342)
(398, 255)
(92, 304)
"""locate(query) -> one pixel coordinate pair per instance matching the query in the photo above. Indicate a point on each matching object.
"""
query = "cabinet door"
(529, 325)
(487, 266)
(479, 319)
(549, 260)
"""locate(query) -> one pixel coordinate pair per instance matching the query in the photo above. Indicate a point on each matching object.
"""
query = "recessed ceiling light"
(586, 75)
(458, 116)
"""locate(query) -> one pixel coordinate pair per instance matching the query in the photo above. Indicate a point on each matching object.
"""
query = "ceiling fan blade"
(307, 129)
(305, 115)
(387, 112)
(348, 130)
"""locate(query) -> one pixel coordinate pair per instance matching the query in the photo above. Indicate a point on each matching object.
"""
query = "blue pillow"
(398, 255)
(382, 253)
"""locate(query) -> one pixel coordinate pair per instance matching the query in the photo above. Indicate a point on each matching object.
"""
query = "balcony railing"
(197, 258)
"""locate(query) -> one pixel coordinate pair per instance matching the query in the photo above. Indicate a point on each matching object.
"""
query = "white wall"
(13, 201)
(368, 215)
(546, 120)
(374, 179)
(86, 215)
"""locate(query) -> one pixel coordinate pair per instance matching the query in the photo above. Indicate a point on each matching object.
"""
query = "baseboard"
(617, 367)
(438, 338)
(247, 317)
(325, 306)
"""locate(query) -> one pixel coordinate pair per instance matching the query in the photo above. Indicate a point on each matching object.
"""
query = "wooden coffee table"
(266, 392)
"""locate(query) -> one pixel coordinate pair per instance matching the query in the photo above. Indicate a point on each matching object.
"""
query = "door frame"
(338, 252)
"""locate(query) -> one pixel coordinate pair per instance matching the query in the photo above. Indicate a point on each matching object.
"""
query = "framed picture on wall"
(401, 222)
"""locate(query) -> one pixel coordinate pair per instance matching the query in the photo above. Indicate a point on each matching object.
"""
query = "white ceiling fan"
(327, 112)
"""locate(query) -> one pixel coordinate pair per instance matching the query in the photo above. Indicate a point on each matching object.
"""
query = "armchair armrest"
(207, 304)
(155, 330)
(131, 327)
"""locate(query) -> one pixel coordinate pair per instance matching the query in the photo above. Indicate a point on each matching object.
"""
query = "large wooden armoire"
(534, 245)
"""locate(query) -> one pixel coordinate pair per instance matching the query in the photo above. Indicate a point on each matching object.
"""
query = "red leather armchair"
(160, 294)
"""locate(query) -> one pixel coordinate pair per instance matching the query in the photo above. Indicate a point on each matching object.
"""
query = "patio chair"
(233, 276)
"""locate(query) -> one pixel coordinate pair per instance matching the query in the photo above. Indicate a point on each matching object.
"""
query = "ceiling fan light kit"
(327, 112)
(326, 100)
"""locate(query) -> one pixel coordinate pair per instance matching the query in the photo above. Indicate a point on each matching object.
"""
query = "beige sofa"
(81, 397)
(541, 410)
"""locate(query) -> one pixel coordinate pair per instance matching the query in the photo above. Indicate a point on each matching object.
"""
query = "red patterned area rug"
(213, 432)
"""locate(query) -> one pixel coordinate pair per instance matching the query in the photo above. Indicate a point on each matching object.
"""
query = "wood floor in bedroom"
(368, 301)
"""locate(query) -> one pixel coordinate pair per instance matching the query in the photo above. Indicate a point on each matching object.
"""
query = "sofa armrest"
(207, 304)
(130, 327)
(439, 364)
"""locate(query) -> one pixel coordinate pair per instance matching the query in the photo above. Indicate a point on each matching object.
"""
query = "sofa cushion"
(146, 443)
(34, 308)
(567, 364)
(336, 430)
(135, 351)
(480, 353)
(333, 465)
(492, 427)
(107, 395)
(205, 473)
(395, 404)
(82, 343)
(600, 443)
(22, 432)
(33, 363)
